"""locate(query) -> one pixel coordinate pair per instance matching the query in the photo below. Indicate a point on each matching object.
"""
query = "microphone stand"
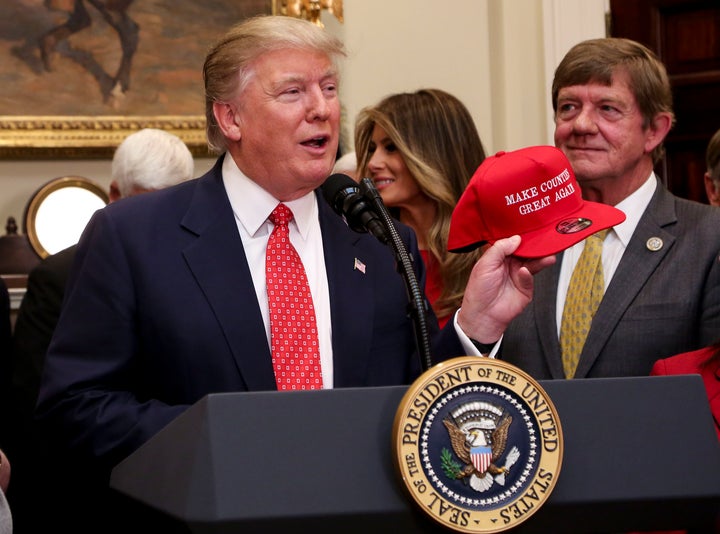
(417, 305)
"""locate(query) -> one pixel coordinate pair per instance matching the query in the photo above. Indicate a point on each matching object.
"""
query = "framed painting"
(79, 75)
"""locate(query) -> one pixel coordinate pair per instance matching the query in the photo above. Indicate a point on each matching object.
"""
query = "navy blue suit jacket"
(160, 310)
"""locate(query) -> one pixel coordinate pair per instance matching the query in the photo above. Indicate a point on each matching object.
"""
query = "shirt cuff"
(469, 347)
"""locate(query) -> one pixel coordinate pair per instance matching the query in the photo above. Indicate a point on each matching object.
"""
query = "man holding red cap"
(613, 109)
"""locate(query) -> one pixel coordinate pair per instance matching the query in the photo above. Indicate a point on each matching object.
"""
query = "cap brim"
(590, 218)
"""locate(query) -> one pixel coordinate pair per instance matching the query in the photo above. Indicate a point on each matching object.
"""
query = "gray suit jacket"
(659, 302)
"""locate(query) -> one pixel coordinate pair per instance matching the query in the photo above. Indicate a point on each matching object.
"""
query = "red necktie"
(293, 331)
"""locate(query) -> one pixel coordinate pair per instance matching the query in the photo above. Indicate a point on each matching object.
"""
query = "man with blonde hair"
(176, 285)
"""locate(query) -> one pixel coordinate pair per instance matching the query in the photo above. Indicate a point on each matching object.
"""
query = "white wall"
(516, 72)
(497, 56)
(410, 44)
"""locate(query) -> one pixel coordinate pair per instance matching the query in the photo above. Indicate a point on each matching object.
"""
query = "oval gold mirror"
(57, 213)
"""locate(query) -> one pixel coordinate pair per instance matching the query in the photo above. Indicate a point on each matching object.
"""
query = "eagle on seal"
(463, 442)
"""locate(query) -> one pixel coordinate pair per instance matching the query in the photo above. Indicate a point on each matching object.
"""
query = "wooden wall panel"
(686, 36)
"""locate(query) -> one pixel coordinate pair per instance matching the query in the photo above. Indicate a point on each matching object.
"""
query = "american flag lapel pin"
(359, 266)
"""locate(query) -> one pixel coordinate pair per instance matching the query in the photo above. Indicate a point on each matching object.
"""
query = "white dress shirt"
(252, 206)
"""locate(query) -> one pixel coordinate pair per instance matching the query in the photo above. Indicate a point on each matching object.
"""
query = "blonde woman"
(420, 149)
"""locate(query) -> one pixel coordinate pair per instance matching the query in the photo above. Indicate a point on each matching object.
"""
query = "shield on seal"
(481, 457)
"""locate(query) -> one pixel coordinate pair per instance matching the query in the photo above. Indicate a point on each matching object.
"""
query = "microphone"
(345, 197)
(364, 211)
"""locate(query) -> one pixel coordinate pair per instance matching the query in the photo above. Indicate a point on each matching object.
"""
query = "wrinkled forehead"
(617, 87)
(607, 76)
(287, 65)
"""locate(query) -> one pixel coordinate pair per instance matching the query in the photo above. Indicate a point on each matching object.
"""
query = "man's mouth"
(316, 142)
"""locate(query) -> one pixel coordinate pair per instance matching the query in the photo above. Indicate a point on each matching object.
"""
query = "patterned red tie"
(293, 331)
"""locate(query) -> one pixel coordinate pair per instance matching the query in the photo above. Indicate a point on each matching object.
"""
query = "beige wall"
(495, 55)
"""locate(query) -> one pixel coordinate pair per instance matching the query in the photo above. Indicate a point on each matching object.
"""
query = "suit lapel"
(638, 263)
(351, 293)
(545, 304)
(217, 260)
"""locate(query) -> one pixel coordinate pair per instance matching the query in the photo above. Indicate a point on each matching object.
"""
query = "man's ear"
(114, 193)
(712, 190)
(227, 120)
(658, 129)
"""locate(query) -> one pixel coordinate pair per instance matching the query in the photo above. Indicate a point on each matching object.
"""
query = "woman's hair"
(229, 63)
(597, 61)
(439, 143)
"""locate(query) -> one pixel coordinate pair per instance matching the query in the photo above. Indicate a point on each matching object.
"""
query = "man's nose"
(318, 106)
(585, 121)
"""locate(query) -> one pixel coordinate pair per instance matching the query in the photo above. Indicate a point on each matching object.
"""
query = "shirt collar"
(252, 205)
(634, 206)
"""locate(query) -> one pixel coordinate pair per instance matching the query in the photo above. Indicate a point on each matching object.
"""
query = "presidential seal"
(478, 444)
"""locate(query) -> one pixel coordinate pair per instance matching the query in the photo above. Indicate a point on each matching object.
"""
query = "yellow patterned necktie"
(584, 294)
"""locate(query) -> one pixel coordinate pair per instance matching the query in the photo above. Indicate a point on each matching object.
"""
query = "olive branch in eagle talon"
(450, 467)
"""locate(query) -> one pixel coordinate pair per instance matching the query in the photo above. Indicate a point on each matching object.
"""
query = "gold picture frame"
(58, 212)
(138, 66)
(57, 137)
(308, 9)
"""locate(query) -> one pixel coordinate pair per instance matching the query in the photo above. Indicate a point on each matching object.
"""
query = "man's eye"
(566, 111)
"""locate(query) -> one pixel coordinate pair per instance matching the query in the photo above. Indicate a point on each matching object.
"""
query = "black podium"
(640, 454)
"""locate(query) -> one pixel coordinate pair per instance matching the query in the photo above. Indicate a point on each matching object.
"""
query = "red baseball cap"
(531, 192)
